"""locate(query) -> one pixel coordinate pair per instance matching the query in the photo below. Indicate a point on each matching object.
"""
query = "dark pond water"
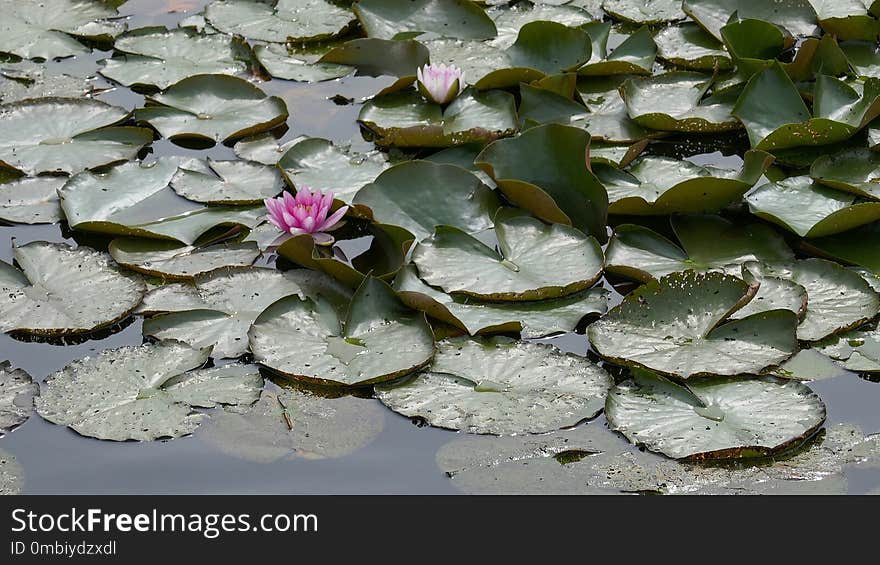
(400, 461)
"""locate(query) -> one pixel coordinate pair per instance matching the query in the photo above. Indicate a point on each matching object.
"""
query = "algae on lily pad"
(676, 326)
(535, 261)
(32, 200)
(448, 195)
(66, 135)
(501, 386)
(17, 392)
(234, 182)
(373, 339)
(176, 261)
(279, 21)
(389, 19)
(142, 392)
(214, 108)
(531, 319)
(715, 418)
(62, 290)
(853, 170)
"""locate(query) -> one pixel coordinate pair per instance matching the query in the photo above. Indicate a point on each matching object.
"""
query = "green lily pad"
(263, 148)
(809, 365)
(173, 261)
(776, 117)
(280, 21)
(774, 293)
(31, 200)
(862, 55)
(319, 164)
(796, 16)
(501, 386)
(46, 29)
(378, 339)
(663, 185)
(707, 243)
(544, 170)
(319, 428)
(281, 63)
(542, 106)
(608, 119)
(803, 206)
(535, 261)
(406, 119)
(715, 418)
(478, 60)
(66, 135)
(858, 350)
(26, 79)
(508, 21)
(159, 57)
(675, 102)
(142, 392)
(233, 182)
(858, 247)
(648, 12)
(755, 44)
(533, 319)
(389, 19)
(225, 304)
(17, 392)
(690, 47)
(448, 195)
(634, 55)
(61, 290)
(375, 57)
(855, 170)
(847, 19)
(213, 108)
(135, 199)
(676, 326)
(11, 474)
(838, 299)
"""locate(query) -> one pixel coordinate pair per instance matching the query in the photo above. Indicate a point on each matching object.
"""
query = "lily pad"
(25, 79)
(155, 56)
(509, 21)
(676, 102)
(66, 135)
(280, 21)
(213, 108)
(61, 290)
(17, 392)
(535, 261)
(796, 16)
(854, 170)
(225, 304)
(803, 206)
(608, 119)
(136, 199)
(406, 119)
(142, 392)
(319, 164)
(858, 350)
(290, 423)
(378, 339)
(676, 326)
(281, 63)
(11, 474)
(233, 182)
(858, 247)
(690, 47)
(533, 319)
(648, 12)
(847, 19)
(663, 185)
(501, 386)
(31, 200)
(389, 19)
(448, 195)
(375, 57)
(544, 170)
(171, 260)
(634, 55)
(715, 418)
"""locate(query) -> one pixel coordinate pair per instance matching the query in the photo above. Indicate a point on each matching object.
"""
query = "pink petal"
(331, 222)
(308, 225)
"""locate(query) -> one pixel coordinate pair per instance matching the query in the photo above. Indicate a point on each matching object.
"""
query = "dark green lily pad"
(862, 55)
(509, 21)
(608, 119)
(690, 47)
(715, 418)
(634, 55)
(142, 392)
(448, 195)
(31, 200)
(847, 19)
(171, 260)
(803, 206)
(280, 21)
(378, 339)
(61, 290)
(17, 392)
(858, 247)
(533, 319)
(535, 261)
(406, 119)
(55, 135)
(796, 16)
(281, 63)
(389, 19)
(212, 108)
(854, 170)
(375, 57)
(320, 165)
(501, 386)
(545, 171)
(676, 326)
(233, 182)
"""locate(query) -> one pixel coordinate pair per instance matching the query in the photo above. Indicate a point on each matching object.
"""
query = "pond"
(808, 423)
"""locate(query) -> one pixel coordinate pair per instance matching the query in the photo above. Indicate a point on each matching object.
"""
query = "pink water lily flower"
(439, 83)
(305, 213)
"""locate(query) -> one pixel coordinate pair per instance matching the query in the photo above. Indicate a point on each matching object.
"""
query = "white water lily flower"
(440, 84)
